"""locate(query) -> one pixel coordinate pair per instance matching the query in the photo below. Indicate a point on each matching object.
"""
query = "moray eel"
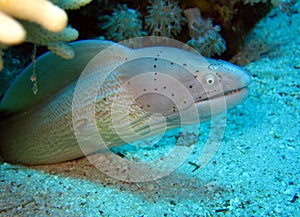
(38, 129)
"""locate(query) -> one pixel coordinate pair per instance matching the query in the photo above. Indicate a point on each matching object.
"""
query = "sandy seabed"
(256, 171)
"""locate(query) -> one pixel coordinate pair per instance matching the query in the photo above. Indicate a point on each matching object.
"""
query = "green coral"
(41, 22)
(252, 2)
(164, 19)
(124, 23)
(205, 37)
(71, 4)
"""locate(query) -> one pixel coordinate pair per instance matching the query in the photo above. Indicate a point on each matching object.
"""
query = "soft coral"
(204, 35)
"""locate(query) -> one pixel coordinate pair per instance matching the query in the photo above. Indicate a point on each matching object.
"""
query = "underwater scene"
(150, 108)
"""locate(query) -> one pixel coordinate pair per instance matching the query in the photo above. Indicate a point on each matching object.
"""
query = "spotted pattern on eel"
(38, 129)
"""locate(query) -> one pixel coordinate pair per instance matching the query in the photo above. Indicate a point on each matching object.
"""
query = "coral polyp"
(124, 23)
(252, 2)
(164, 19)
(205, 37)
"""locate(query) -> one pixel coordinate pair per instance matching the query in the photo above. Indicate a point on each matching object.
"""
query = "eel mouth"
(230, 97)
(230, 93)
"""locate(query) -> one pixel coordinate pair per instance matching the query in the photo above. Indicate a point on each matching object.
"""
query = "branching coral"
(14, 32)
(164, 19)
(47, 23)
(70, 4)
(204, 36)
(43, 12)
(124, 23)
(53, 40)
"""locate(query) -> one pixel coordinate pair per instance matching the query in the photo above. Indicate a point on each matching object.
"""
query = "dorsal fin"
(53, 73)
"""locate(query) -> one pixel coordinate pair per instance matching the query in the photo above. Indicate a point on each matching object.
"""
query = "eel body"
(123, 85)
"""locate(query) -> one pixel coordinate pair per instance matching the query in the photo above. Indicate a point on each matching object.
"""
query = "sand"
(255, 172)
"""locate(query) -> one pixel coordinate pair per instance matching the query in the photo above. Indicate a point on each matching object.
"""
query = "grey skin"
(135, 84)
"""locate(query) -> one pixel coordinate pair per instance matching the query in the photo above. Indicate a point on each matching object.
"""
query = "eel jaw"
(230, 95)
(214, 105)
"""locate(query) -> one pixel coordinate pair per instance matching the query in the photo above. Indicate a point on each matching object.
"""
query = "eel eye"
(210, 80)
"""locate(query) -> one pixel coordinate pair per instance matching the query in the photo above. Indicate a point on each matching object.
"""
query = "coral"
(225, 13)
(43, 12)
(53, 40)
(71, 4)
(252, 2)
(48, 23)
(124, 23)
(14, 32)
(204, 36)
(284, 5)
(61, 49)
(164, 19)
